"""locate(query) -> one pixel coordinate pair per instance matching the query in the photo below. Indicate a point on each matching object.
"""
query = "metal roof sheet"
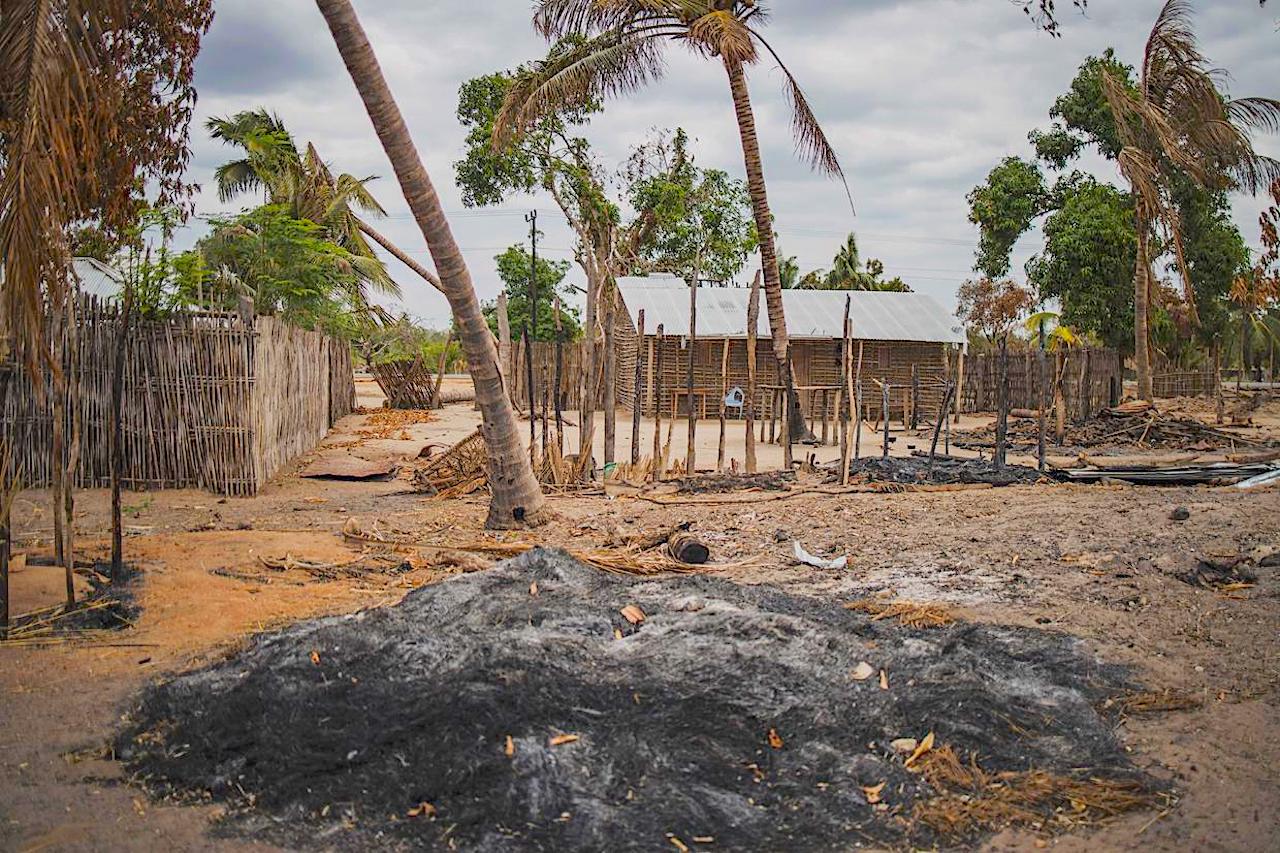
(97, 278)
(811, 314)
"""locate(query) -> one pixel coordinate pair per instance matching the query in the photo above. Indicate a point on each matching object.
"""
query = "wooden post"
(857, 430)
(440, 367)
(1219, 403)
(847, 381)
(943, 417)
(753, 317)
(504, 343)
(546, 421)
(885, 389)
(648, 385)
(724, 392)
(1002, 404)
(7, 489)
(116, 436)
(690, 453)
(559, 378)
(959, 393)
(533, 406)
(844, 372)
(636, 402)
(790, 412)
(1059, 398)
(915, 396)
(1043, 365)
(657, 408)
(610, 389)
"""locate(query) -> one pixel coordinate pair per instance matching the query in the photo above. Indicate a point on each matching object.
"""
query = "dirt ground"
(1096, 562)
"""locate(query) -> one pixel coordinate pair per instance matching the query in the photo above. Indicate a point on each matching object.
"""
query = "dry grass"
(1152, 702)
(970, 800)
(910, 614)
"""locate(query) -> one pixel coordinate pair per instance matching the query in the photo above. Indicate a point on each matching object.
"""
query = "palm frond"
(720, 33)
(234, 178)
(811, 140)
(1255, 113)
(373, 273)
(613, 63)
(57, 110)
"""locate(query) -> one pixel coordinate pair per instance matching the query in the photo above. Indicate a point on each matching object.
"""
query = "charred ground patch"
(519, 708)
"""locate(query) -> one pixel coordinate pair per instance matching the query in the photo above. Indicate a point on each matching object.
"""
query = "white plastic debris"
(1260, 480)
(808, 559)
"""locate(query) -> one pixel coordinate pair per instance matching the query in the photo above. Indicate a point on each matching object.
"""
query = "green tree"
(285, 265)
(1003, 208)
(621, 48)
(304, 184)
(513, 269)
(1089, 250)
(697, 222)
(1178, 124)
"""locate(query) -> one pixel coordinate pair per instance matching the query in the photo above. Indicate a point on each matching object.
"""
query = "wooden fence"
(208, 401)
(1091, 380)
(1185, 383)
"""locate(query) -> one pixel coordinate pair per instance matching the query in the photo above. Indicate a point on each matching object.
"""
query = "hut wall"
(818, 363)
(208, 402)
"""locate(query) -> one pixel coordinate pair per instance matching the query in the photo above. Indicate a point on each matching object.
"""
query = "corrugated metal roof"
(97, 278)
(722, 312)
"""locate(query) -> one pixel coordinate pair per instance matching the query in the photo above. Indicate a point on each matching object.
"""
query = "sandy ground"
(1096, 562)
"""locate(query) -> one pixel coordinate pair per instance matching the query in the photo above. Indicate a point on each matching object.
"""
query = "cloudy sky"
(920, 98)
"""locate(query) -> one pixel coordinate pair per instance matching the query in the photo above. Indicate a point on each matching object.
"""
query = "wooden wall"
(208, 402)
(1091, 380)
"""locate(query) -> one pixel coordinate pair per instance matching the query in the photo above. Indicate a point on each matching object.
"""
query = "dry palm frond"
(971, 800)
(910, 614)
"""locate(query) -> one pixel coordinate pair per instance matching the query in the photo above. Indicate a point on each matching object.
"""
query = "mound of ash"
(492, 714)
(944, 470)
(769, 481)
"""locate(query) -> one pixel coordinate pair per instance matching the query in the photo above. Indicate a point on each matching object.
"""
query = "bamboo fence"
(1091, 380)
(208, 401)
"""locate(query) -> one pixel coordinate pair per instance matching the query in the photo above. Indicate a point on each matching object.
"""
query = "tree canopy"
(513, 269)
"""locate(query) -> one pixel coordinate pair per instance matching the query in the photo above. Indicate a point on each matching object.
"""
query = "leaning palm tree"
(1178, 120)
(304, 183)
(619, 49)
(517, 499)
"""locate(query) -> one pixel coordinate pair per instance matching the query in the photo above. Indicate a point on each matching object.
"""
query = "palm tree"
(619, 49)
(517, 498)
(846, 266)
(1178, 120)
(303, 182)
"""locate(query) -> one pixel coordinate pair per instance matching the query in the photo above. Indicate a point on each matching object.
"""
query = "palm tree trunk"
(1141, 311)
(796, 427)
(517, 499)
(399, 254)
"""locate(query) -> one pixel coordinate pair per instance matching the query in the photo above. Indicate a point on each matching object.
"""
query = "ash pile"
(545, 705)
(943, 470)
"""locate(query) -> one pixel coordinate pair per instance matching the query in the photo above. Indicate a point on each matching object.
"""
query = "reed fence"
(209, 401)
(1090, 376)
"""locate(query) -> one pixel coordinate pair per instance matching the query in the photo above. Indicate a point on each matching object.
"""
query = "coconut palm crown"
(1177, 120)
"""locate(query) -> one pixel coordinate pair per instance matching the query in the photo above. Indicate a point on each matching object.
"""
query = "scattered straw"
(618, 561)
(910, 614)
(971, 800)
(1152, 702)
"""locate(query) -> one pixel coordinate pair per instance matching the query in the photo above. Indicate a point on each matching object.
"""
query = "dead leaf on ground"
(925, 745)
(678, 844)
(632, 614)
(872, 792)
(422, 810)
(884, 680)
(315, 657)
(561, 740)
(775, 740)
(510, 748)
(862, 671)
(617, 633)
(533, 588)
